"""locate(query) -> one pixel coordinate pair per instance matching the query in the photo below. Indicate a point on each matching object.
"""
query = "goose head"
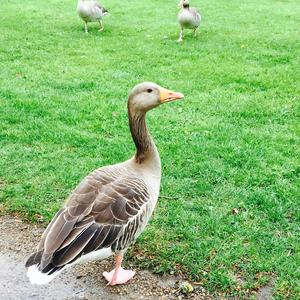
(184, 3)
(148, 95)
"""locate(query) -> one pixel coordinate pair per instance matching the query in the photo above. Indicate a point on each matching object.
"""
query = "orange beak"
(167, 95)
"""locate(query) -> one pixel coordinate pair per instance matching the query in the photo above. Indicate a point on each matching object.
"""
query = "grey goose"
(109, 209)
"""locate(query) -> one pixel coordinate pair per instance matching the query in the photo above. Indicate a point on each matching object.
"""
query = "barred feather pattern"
(109, 208)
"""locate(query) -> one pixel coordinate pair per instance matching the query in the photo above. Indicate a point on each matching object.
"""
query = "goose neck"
(145, 146)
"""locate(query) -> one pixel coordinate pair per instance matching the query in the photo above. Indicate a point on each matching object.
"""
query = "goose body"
(91, 11)
(110, 208)
(188, 18)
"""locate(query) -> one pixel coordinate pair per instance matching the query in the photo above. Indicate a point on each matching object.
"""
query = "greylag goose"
(91, 11)
(111, 206)
(188, 18)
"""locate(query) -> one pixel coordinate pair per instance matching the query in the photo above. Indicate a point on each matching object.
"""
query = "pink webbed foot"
(121, 277)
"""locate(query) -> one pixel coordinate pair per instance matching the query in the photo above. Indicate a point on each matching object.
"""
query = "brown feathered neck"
(143, 142)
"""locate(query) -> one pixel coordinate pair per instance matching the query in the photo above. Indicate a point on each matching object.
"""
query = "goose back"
(90, 10)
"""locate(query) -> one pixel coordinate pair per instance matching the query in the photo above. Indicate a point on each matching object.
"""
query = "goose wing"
(196, 13)
(101, 7)
(104, 211)
(98, 9)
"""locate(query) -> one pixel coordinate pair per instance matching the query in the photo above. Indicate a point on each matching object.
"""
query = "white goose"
(110, 208)
(91, 11)
(188, 18)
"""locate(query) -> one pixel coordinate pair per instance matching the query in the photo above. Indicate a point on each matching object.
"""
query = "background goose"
(110, 207)
(188, 18)
(91, 11)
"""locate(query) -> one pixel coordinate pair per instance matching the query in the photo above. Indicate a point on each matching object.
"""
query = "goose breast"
(189, 18)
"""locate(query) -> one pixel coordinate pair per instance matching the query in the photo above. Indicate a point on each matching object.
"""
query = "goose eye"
(149, 90)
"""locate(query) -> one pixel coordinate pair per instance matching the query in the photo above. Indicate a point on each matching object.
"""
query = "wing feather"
(97, 240)
(69, 253)
(103, 211)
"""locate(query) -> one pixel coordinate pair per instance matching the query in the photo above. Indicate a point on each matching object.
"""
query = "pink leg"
(118, 275)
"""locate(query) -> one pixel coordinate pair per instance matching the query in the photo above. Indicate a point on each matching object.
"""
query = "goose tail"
(37, 276)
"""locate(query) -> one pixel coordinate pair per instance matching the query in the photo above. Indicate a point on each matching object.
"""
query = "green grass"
(233, 143)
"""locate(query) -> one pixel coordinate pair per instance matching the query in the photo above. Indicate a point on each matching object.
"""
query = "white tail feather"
(37, 277)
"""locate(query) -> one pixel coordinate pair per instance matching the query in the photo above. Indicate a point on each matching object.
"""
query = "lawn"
(228, 215)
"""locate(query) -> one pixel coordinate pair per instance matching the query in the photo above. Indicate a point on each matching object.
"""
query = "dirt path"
(18, 239)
